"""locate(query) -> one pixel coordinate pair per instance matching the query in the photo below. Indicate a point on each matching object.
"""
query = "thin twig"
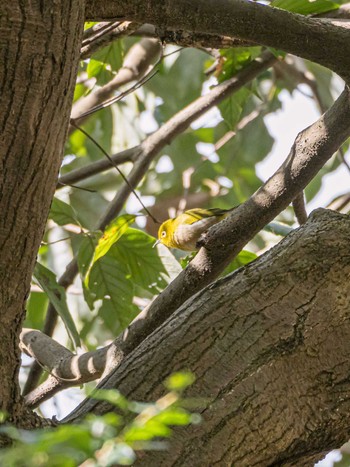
(96, 32)
(300, 208)
(72, 122)
(120, 96)
(105, 37)
(94, 29)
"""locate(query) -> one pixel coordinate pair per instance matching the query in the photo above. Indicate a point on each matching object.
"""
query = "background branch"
(135, 65)
(106, 34)
(129, 155)
(300, 208)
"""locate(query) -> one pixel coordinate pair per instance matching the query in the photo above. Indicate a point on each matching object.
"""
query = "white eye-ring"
(163, 234)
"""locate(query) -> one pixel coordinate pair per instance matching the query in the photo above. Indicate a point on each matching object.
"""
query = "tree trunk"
(269, 345)
(38, 60)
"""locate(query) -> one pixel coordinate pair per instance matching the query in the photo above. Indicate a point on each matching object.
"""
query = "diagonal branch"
(149, 148)
(311, 150)
(135, 65)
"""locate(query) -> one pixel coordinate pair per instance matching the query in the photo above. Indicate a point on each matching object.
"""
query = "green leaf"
(117, 317)
(62, 213)
(36, 309)
(46, 279)
(86, 252)
(104, 63)
(174, 416)
(150, 268)
(235, 59)
(112, 396)
(112, 55)
(110, 281)
(187, 66)
(306, 7)
(231, 108)
(84, 258)
(147, 431)
(179, 381)
(112, 234)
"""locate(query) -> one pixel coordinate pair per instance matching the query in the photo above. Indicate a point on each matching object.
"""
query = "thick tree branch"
(316, 39)
(190, 39)
(261, 342)
(38, 62)
(311, 150)
(150, 147)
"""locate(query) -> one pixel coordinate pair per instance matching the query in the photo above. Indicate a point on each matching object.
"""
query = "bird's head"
(166, 233)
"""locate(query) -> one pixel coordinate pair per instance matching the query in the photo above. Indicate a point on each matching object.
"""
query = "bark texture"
(269, 345)
(39, 50)
(312, 38)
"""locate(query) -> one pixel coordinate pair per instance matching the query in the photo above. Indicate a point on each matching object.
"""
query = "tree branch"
(129, 155)
(65, 368)
(255, 339)
(315, 39)
(135, 65)
(311, 150)
(149, 149)
(300, 208)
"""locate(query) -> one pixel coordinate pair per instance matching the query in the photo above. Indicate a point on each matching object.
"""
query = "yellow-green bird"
(184, 231)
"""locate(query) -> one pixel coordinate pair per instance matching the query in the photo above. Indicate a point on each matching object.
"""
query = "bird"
(183, 231)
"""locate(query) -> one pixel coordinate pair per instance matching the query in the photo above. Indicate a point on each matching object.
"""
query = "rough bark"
(269, 345)
(313, 38)
(39, 51)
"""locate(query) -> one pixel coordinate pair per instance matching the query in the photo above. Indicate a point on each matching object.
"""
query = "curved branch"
(300, 208)
(315, 39)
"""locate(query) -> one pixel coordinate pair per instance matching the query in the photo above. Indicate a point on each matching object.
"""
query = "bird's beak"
(156, 243)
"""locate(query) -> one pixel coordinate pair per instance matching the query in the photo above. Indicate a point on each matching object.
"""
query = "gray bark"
(38, 60)
(269, 345)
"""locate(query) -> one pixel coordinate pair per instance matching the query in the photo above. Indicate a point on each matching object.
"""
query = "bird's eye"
(163, 234)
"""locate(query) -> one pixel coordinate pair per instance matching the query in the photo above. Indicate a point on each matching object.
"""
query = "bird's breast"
(186, 236)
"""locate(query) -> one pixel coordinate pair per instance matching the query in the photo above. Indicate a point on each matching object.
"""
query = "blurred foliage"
(119, 270)
(308, 7)
(106, 440)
